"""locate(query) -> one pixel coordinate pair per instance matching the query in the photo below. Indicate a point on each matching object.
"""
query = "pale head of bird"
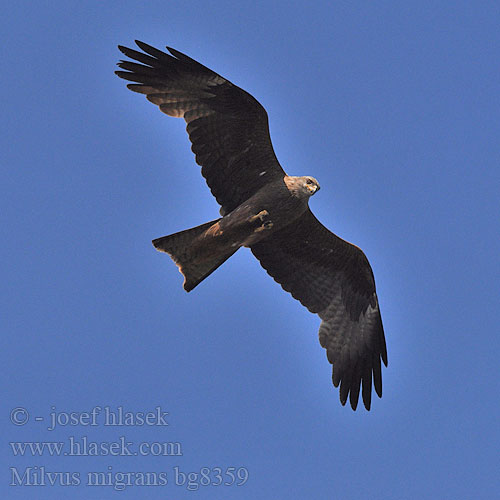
(303, 187)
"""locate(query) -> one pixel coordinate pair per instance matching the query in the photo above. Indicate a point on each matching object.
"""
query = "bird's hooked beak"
(313, 188)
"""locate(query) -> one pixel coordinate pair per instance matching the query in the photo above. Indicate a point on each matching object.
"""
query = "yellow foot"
(261, 215)
(265, 226)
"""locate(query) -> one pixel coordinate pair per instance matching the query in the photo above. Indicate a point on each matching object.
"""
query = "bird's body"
(266, 210)
(273, 207)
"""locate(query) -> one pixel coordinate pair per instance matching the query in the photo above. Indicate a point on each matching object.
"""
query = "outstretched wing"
(227, 127)
(332, 278)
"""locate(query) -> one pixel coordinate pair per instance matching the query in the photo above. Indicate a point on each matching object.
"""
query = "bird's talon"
(261, 215)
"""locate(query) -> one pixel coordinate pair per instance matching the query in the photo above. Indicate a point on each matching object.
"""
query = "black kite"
(266, 210)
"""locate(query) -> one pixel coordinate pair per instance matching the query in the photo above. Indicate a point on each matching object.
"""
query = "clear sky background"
(394, 107)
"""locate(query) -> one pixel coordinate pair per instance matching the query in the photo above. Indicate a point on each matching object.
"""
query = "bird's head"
(303, 187)
(311, 185)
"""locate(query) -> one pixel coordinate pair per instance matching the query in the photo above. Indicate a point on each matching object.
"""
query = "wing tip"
(352, 390)
(175, 52)
(383, 355)
(354, 403)
(142, 45)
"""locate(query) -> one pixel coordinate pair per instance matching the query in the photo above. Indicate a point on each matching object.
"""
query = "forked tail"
(195, 256)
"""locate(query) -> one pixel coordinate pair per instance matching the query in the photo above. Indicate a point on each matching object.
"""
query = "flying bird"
(266, 210)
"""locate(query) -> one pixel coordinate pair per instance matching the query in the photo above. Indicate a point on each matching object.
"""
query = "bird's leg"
(263, 217)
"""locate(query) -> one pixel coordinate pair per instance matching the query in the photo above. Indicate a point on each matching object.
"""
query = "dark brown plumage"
(266, 210)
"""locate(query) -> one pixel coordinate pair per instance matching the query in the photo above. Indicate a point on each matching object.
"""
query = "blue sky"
(394, 108)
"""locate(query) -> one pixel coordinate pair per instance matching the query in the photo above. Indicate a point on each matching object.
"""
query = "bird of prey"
(266, 210)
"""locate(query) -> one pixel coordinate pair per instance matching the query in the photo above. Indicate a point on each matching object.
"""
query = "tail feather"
(180, 248)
